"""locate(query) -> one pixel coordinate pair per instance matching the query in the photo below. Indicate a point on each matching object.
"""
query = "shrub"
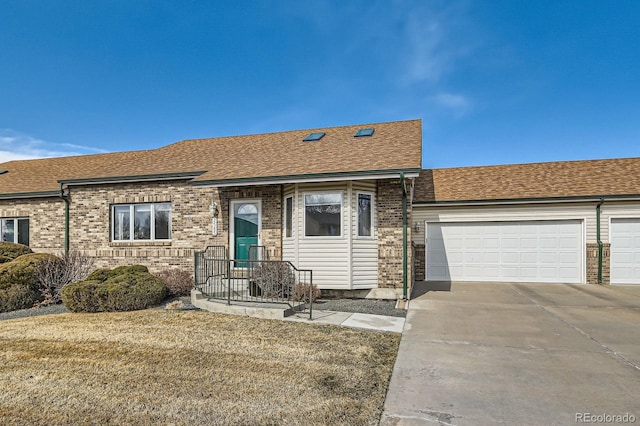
(125, 288)
(105, 273)
(275, 279)
(19, 285)
(178, 282)
(301, 292)
(10, 251)
(56, 272)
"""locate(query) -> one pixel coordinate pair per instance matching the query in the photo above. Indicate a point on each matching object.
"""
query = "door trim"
(232, 240)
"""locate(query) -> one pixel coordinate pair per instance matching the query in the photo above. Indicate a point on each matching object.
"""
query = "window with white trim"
(288, 217)
(365, 214)
(323, 214)
(141, 222)
(15, 230)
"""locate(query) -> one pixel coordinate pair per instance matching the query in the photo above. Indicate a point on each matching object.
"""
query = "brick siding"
(389, 214)
(191, 221)
(46, 221)
(592, 263)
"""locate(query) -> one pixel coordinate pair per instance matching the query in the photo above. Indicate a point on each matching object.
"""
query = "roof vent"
(3, 172)
(364, 132)
(314, 137)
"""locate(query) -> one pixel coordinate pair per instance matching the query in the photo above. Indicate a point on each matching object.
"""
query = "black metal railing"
(256, 279)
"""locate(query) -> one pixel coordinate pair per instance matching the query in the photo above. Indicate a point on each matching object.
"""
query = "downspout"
(65, 198)
(404, 237)
(599, 240)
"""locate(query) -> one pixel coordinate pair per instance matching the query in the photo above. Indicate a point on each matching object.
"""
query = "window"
(15, 230)
(150, 222)
(288, 217)
(323, 215)
(363, 133)
(313, 137)
(365, 215)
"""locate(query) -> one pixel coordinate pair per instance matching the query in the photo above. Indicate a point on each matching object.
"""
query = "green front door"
(246, 219)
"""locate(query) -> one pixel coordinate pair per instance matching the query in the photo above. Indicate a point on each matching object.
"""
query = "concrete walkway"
(277, 311)
(518, 354)
(354, 320)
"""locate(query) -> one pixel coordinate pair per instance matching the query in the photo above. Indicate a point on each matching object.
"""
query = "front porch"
(274, 287)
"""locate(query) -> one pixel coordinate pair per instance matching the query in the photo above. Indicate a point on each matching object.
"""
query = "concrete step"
(248, 309)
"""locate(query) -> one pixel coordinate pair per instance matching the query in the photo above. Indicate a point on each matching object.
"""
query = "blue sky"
(495, 82)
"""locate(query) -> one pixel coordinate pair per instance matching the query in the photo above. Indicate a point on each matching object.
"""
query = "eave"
(312, 177)
(533, 200)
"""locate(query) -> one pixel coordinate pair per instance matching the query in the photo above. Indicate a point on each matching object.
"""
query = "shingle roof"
(394, 146)
(590, 178)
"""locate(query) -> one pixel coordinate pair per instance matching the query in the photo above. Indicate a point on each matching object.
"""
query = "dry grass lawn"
(189, 367)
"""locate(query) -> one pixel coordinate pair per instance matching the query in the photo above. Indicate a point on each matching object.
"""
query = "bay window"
(365, 215)
(323, 215)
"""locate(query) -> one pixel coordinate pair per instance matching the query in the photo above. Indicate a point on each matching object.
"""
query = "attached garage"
(548, 251)
(625, 251)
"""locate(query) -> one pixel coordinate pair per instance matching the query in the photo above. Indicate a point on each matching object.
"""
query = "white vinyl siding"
(555, 211)
(290, 245)
(338, 262)
(328, 257)
(516, 251)
(364, 250)
(625, 251)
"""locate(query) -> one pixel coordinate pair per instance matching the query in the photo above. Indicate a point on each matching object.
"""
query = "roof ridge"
(536, 163)
(311, 129)
(28, 160)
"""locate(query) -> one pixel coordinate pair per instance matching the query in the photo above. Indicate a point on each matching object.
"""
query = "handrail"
(256, 280)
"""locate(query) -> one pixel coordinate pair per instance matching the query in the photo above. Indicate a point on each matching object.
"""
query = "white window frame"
(304, 215)
(131, 238)
(372, 218)
(15, 228)
(285, 222)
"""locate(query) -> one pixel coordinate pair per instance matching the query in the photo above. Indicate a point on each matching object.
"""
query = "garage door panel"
(525, 251)
(490, 257)
(625, 251)
(567, 273)
(528, 258)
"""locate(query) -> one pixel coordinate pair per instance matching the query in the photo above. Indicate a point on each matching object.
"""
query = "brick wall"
(191, 221)
(592, 263)
(419, 262)
(46, 221)
(389, 221)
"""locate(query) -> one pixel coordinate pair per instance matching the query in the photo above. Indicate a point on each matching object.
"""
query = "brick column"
(592, 263)
(389, 223)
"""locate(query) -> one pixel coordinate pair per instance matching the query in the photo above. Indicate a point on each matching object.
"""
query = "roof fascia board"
(39, 194)
(541, 200)
(320, 177)
(131, 179)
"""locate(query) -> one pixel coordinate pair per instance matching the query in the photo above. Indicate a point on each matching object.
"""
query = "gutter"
(600, 203)
(132, 178)
(37, 194)
(65, 197)
(307, 178)
(575, 199)
(404, 236)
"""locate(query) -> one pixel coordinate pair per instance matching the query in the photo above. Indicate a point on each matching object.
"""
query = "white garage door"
(625, 251)
(532, 251)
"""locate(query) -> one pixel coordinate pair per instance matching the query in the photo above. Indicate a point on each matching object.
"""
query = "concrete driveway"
(517, 354)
